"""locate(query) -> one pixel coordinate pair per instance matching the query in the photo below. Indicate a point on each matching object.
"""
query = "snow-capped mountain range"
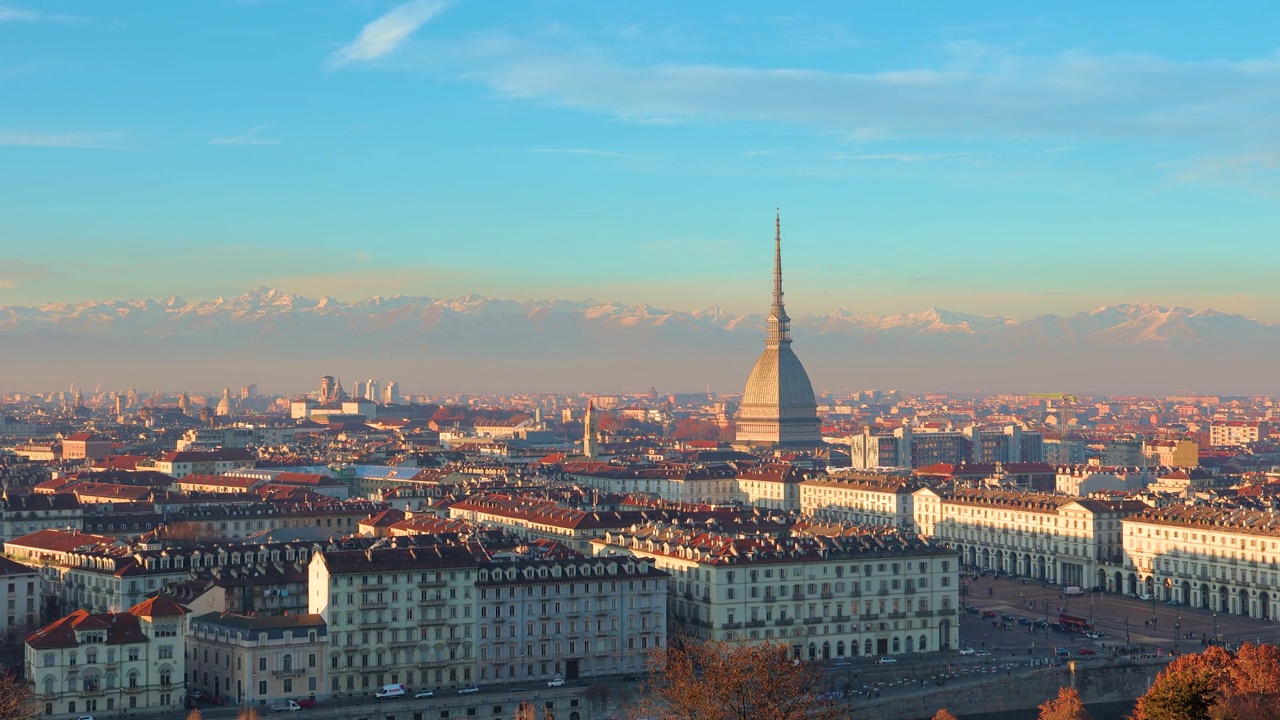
(478, 342)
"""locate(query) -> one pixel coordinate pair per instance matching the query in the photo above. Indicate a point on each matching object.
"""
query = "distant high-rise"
(778, 407)
(589, 447)
(373, 390)
(391, 394)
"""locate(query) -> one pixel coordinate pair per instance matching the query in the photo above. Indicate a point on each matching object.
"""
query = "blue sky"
(989, 157)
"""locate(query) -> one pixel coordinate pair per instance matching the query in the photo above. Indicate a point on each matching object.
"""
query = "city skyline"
(989, 161)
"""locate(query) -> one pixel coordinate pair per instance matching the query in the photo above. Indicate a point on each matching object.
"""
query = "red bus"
(1071, 623)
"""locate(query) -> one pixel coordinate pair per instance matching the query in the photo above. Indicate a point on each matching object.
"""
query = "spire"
(779, 324)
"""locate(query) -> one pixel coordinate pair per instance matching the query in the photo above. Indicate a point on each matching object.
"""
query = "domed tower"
(224, 405)
(778, 406)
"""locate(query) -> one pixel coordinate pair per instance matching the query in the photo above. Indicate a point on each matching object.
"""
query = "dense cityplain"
(224, 551)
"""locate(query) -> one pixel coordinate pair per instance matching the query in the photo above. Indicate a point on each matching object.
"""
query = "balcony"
(882, 591)
(755, 623)
(812, 621)
(432, 583)
(91, 692)
(292, 672)
(730, 626)
(897, 615)
(372, 587)
(827, 594)
(924, 613)
(781, 622)
(797, 596)
(433, 664)
(770, 598)
(426, 621)
(947, 612)
(374, 605)
(404, 643)
(842, 618)
(870, 616)
(433, 602)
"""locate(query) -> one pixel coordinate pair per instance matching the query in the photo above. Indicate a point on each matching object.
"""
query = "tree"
(247, 714)
(1252, 689)
(724, 681)
(195, 715)
(944, 714)
(1067, 706)
(694, 429)
(1218, 685)
(1187, 688)
(526, 711)
(16, 700)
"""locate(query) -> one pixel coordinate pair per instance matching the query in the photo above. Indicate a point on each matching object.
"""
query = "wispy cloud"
(384, 35)
(247, 138)
(579, 151)
(977, 93)
(12, 14)
(1219, 167)
(88, 140)
(903, 157)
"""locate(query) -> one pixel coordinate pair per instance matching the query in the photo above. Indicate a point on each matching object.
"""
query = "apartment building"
(397, 615)
(568, 618)
(1058, 538)
(678, 482)
(860, 592)
(110, 662)
(254, 659)
(861, 498)
(1219, 559)
(774, 487)
(1238, 432)
(24, 514)
(181, 463)
(19, 597)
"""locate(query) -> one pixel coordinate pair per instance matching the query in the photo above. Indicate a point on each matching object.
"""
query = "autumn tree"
(724, 681)
(247, 714)
(195, 715)
(16, 700)
(1067, 706)
(526, 711)
(944, 714)
(1218, 685)
(1252, 688)
(694, 429)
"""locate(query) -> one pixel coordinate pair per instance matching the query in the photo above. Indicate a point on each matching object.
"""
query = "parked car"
(1073, 590)
(988, 613)
(1087, 651)
(982, 653)
(1144, 596)
(967, 651)
(196, 694)
(972, 609)
(425, 694)
(1062, 652)
(1041, 623)
(557, 682)
(85, 717)
(1093, 634)
(212, 700)
(886, 661)
(1007, 617)
(469, 690)
(1024, 621)
(305, 703)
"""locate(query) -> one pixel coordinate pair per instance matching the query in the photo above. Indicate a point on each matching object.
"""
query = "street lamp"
(1126, 631)
(1046, 619)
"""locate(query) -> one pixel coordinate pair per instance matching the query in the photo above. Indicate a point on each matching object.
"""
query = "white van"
(285, 706)
(391, 691)
(1073, 590)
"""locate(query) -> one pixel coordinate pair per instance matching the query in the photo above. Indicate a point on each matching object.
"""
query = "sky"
(997, 158)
